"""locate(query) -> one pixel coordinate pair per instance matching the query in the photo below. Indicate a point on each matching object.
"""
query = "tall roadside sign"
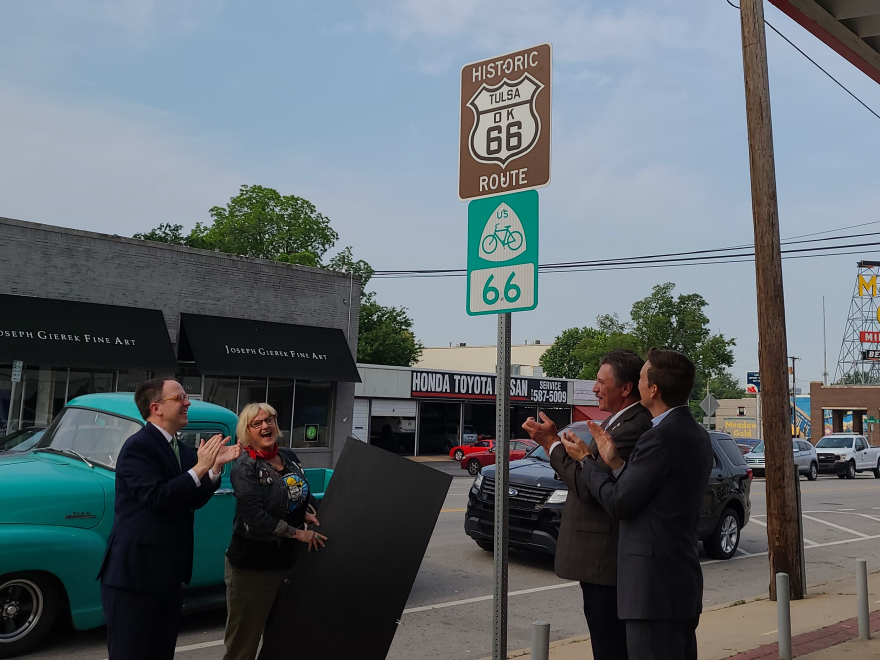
(504, 154)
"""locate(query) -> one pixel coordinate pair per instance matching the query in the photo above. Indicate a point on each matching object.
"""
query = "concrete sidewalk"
(822, 627)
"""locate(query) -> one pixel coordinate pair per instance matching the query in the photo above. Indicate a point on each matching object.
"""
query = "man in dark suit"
(587, 547)
(159, 483)
(656, 495)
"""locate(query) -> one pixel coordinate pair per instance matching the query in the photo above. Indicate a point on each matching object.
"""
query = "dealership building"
(421, 412)
(82, 312)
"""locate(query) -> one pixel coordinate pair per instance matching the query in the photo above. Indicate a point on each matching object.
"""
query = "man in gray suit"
(587, 547)
(656, 495)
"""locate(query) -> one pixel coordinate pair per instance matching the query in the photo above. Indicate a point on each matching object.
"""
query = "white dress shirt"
(191, 472)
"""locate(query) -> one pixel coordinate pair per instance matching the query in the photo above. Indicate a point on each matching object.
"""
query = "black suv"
(537, 497)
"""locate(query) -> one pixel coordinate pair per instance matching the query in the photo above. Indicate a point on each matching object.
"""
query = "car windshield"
(94, 435)
(759, 448)
(539, 453)
(21, 440)
(832, 442)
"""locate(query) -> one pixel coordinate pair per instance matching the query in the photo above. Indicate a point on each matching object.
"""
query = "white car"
(804, 457)
(844, 454)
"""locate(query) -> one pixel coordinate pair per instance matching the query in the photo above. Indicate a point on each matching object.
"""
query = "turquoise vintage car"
(56, 511)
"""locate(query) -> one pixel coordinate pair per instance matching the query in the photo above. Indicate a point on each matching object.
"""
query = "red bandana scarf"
(265, 455)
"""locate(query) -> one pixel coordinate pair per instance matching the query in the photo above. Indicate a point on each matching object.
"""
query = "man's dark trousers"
(662, 640)
(587, 547)
(150, 549)
(148, 621)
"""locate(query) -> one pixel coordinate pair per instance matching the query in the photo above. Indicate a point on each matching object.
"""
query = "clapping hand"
(543, 432)
(607, 448)
(227, 453)
(207, 454)
(574, 446)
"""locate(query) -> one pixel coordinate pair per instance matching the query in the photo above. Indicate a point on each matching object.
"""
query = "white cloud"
(119, 170)
(579, 31)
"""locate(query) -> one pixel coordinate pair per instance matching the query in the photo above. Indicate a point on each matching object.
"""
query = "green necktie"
(176, 449)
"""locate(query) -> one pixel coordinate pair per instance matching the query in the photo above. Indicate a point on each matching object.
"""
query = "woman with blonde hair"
(272, 499)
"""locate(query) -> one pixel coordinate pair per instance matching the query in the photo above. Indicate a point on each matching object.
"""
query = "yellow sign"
(869, 285)
(739, 427)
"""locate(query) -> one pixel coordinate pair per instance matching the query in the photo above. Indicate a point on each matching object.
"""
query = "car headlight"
(478, 481)
(557, 497)
(840, 457)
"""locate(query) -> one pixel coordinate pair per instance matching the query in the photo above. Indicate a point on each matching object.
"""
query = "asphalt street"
(449, 613)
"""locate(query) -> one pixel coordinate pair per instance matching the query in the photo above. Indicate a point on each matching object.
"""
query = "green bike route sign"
(502, 254)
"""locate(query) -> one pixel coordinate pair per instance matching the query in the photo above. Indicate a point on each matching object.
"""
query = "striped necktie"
(176, 449)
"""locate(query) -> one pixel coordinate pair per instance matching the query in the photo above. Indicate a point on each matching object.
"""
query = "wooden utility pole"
(782, 519)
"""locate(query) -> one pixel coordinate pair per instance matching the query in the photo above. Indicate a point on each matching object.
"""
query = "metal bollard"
(783, 614)
(540, 640)
(862, 598)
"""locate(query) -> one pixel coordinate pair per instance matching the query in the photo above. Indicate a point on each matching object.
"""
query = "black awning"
(63, 333)
(240, 347)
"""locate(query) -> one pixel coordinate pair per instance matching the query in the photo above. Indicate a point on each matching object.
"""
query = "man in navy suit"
(159, 484)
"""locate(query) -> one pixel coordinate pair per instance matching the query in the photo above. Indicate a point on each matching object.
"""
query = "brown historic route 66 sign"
(505, 123)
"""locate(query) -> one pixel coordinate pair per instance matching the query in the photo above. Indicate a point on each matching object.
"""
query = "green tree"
(260, 222)
(165, 233)
(560, 360)
(386, 335)
(344, 262)
(723, 385)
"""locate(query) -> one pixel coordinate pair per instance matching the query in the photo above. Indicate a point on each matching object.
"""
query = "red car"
(475, 462)
(460, 452)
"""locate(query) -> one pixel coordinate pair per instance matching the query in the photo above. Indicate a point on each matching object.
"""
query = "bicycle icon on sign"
(512, 240)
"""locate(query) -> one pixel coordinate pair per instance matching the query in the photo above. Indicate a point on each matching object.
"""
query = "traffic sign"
(753, 382)
(504, 138)
(871, 420)
(709, 405)
(502, 254)
(17, 366)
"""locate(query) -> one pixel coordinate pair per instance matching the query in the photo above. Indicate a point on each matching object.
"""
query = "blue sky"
(118, 115)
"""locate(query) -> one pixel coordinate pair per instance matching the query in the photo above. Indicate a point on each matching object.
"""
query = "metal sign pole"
(502, 460)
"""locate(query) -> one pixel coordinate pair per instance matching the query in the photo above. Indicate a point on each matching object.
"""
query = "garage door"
(361, 420)
(394, 408)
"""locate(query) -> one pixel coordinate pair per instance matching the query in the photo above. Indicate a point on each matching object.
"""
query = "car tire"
(841, 476)
(474, 467)
(459, 454)
(36, 599)
(850, 470)
(813, 474)
(488, 546)
(725, 539)
(876, 470)
(448, 447)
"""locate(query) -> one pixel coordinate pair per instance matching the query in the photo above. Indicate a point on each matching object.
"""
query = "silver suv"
(804, 457)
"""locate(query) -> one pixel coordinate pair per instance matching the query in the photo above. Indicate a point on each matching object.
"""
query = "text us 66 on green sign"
(502, 254)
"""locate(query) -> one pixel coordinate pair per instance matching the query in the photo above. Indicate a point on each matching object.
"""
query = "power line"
(816, 64)
(694, 257)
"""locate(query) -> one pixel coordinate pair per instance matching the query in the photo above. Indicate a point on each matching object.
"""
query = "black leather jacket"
(261, 496)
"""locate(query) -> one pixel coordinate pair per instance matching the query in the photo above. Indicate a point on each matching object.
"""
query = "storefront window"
(189, 378)
(89, 382)
(129, 381)
(518, 416)
(281, 398)
(251, 390)
(222, 391)
(561, 415)
(311, 414)
(5, 397)
(480, 417)
(438, 427)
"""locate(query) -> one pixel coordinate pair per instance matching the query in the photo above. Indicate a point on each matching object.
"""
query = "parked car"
(745, 449)
(474, 462)
(469, 435)
(845, 454)
(459, 453)
(21, 440)
(804, 457)
(537, 498)
(56, 511)
(438, 438)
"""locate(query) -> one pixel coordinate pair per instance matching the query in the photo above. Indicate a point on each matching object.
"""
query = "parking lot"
(449, 613)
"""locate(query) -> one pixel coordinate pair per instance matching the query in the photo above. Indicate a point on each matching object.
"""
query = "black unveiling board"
(344, 602)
